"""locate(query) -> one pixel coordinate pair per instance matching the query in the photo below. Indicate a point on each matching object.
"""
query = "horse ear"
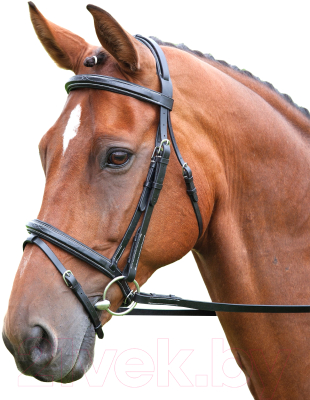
(64, 47)
(121, 45)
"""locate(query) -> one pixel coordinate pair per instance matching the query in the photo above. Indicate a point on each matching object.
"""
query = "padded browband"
(120, 86)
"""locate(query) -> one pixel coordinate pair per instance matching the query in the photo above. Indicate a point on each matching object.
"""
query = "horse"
(237, 134)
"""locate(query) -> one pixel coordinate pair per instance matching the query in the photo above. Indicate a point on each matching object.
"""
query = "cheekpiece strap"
(161, 161)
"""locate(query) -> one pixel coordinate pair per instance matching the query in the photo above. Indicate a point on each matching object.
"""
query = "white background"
(268, 38)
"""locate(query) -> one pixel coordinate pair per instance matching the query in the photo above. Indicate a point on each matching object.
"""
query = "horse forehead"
(91, 116)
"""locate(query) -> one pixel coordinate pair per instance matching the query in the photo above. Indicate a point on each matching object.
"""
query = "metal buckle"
(64, 276)
(105, 304)
(156, 148)
(184, 168)
(161, 144)
(160, 147)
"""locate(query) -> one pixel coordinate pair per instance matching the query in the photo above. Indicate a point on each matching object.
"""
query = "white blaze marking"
(72, 126)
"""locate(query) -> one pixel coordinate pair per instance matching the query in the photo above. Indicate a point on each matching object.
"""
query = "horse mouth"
(84, 359)
(85, 354)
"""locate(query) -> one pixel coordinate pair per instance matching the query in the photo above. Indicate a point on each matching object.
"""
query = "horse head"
(96, 158)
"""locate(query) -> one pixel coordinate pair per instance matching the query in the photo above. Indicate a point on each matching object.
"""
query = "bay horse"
(248, 147)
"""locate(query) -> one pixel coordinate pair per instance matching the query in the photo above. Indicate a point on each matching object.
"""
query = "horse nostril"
(40, 346)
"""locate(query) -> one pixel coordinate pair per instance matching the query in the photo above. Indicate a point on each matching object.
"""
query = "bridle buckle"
(64, 277)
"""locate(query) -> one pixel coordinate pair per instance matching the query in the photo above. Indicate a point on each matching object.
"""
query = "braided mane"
(197, 53)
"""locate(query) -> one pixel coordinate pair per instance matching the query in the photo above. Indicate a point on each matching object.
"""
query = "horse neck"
(252, 164)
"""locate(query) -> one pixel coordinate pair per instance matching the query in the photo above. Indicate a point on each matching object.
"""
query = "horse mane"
(209, 57)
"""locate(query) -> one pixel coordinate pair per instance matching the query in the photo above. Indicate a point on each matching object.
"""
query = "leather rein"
(151, 189)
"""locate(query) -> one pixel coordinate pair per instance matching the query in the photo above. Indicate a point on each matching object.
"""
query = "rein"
(151, 189)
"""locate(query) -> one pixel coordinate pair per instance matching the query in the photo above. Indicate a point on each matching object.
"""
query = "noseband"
(151, 189)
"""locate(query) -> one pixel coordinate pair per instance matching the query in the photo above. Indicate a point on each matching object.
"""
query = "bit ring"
(133, 304)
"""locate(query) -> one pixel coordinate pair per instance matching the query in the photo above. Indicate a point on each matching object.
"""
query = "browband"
(119, 86)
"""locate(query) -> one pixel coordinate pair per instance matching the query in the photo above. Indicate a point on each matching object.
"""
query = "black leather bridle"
(151, 189)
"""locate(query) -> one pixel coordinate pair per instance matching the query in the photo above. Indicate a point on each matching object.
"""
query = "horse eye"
(118, 158)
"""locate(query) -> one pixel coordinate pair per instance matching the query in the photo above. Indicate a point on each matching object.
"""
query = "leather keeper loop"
(162, 160)
(193, 194)
(148, 184)
(156, 185)
(190, 188)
